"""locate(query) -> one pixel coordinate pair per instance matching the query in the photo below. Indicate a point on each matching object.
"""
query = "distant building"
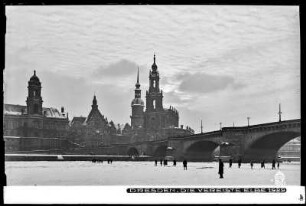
(34, 128)
(90, 131)
(89, 134)
(155, 122)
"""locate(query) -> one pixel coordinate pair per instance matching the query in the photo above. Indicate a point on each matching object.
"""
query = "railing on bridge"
(258, 127)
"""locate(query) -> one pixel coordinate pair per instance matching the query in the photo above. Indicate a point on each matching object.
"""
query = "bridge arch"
(132, 151)
(267, 146)
(160, 151)
(200, 151)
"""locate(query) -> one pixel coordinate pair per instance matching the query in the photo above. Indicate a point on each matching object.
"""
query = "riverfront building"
(155, 122)
(32, 127)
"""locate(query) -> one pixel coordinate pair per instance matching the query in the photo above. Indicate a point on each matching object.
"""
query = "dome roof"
(154, 66)
(34, 78)
(137, 101)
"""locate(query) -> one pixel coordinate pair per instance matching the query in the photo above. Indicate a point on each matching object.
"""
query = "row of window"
(35, 124)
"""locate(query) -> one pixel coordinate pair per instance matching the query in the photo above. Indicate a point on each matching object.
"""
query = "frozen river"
(143, 173)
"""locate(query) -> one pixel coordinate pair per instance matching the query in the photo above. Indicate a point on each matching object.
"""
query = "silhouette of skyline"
(216, 63)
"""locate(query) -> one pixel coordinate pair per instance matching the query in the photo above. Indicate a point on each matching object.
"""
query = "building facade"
(33, 127)
(92, 134)
(91, 131)
(155, 122)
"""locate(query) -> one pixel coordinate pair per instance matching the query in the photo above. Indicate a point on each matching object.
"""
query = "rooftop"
(15, 109)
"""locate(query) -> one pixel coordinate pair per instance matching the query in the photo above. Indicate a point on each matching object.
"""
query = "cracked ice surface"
(143, 173)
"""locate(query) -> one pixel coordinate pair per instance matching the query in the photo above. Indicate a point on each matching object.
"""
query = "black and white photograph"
(152, 95)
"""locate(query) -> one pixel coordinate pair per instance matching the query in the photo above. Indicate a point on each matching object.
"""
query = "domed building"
(33, 127)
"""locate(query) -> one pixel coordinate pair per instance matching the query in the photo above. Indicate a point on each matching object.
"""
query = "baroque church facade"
(32, 127)
(155, 122)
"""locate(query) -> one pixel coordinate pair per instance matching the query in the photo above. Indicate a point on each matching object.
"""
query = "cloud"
(175, 99)
(121, 68)
(206, 83)
(75, 94)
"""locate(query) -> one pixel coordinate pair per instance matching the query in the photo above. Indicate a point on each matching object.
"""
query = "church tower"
(34, 99)
(154, 97)
(94, 105)
(137, 118)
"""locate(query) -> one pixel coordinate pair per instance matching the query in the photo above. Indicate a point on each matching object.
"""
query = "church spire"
(137, 118)
(94, 102)
(138, 75)
(137, 83)
(137, 89)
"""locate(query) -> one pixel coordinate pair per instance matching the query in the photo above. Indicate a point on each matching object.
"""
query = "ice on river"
(143, 173)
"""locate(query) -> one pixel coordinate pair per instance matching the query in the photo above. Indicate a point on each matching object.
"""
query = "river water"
(144, 173)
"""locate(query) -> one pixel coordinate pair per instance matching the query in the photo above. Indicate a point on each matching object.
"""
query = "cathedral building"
(155, 122)
(156, 117)
(34, 127)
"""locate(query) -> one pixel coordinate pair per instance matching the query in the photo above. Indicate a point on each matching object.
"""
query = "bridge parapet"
(199, 135)
(266, 127)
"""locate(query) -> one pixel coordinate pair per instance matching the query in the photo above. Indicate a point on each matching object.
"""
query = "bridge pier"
(234, 151)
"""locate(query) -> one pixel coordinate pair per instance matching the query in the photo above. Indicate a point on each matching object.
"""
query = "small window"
(154, 83)
(154, 104)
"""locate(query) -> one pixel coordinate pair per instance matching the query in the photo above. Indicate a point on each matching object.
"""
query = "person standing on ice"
(155, 162)
(230, 163)
(174, 162)
(251, 164)
(273, 164)
(263, 164)
(185, 164)
(239, 163)
(161, 162)
(221, 168)
(277, 164)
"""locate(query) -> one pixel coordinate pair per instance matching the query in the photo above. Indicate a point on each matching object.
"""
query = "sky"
(216, 63)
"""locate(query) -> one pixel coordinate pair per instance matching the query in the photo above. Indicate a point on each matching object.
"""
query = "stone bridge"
(256, 142)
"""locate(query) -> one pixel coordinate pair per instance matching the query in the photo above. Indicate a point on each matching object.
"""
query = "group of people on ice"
(109, 161)
(165, 163)
(221, 165)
